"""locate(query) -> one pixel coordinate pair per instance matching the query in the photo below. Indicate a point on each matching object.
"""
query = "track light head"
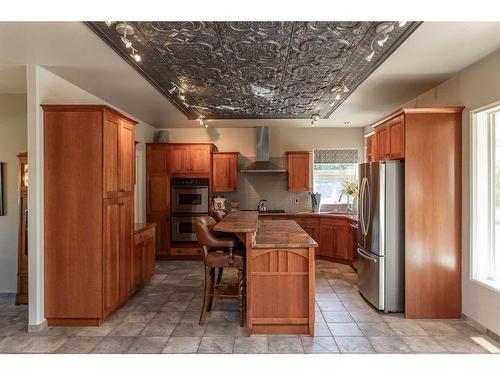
(382, 41)
(402, 23)
(126, 42)
(370, 56)
(137, 57)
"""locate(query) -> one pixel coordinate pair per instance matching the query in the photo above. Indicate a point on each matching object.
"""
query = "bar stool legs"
(241, 296)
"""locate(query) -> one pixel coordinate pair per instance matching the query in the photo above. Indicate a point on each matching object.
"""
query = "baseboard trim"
(482, 329)
(38, 327)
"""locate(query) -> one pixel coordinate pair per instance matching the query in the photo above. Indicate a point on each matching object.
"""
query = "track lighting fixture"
(108, 23)
(314, 119)
(137, 57)
(370, 56)
(126, 42)
(345, 88)
(382, 41)
(337, 97)
(382, 32)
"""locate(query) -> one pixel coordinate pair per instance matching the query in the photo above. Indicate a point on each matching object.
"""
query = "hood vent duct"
(263, 165)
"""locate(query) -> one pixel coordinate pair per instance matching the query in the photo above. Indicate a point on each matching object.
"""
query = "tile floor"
(163, 318)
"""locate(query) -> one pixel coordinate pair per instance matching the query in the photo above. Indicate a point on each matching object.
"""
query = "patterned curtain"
(336, 156)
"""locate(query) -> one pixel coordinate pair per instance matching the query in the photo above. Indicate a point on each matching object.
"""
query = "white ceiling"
(432, 54)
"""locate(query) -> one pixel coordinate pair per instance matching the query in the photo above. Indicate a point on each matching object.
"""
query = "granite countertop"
(238, 222)
(281, 234)
(353, 217)
(268, 233)
(138, 227)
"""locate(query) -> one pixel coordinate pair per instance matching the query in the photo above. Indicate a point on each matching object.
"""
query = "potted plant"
(350, 189)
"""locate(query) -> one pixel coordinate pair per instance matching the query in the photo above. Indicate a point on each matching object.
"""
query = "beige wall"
(281, 139)
(13, 140)
(474, 87)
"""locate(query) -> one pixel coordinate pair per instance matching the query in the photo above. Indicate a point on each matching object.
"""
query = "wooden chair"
(219, 253)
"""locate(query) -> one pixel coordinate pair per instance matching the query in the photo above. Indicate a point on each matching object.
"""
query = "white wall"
(45, 87)
(13, 140)
(474, 87)
(281, 139)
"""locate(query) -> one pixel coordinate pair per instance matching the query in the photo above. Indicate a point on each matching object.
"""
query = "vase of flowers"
(350, 189)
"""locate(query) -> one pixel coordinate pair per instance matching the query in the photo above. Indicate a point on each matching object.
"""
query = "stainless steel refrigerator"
(380, 247)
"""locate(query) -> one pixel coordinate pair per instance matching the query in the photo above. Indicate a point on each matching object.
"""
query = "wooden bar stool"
(219, 253)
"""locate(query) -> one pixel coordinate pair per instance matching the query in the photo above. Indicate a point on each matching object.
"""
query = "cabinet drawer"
(185, 251)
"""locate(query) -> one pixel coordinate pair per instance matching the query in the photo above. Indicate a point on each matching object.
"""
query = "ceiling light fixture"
(382, 41)
(337, 97)
(126, 42)
(402, 23)
(370, 56)
(345, 88)
(108, 23)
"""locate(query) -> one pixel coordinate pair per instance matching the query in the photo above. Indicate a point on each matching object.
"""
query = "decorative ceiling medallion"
(257, 70)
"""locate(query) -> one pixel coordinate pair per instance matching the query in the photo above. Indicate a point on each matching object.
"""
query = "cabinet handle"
(121, 204)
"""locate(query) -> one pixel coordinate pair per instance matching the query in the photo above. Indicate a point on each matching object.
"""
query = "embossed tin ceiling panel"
(241, 70)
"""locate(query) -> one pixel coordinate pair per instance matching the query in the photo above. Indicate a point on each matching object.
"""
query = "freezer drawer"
(371, 277)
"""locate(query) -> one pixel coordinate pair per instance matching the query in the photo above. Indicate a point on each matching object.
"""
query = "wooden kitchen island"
(279, 273)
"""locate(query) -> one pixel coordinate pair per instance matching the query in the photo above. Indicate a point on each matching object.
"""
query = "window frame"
(360, 151)
(492, 113)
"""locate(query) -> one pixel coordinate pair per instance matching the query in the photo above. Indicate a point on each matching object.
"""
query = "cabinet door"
(326, 240)
(137, 265)
(382, 143)
(162, 232)
(199, 159)
(396, 130)
(111, 254)
(127, 157)
(341, 244)
(369, 148)
(150, 256)
(126, 243)
(298, 171)
(179, 159)
(158, 192)
(224, 172)
(111, 155)
(157, 158)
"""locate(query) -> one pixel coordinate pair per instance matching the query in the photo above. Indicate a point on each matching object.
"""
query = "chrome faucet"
(261, 207)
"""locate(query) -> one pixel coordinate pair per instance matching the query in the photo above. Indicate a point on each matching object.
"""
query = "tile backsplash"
(252, 187)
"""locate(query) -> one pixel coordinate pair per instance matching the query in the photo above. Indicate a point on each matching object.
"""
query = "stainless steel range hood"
(263, 165)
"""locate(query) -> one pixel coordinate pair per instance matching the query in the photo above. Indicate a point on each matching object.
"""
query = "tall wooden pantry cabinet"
(89, 162)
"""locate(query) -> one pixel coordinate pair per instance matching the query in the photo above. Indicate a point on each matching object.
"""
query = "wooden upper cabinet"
(390, 139)
(126, 170)
(119, 156)
(199, 158)
(179, 158)
(111, 155)
(157, 158)
(370, 148)
(190, 158)
(396, 128)
(299, 167)
(224, 172)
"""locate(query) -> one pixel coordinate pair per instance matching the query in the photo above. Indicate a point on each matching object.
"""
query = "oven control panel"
(189, 182)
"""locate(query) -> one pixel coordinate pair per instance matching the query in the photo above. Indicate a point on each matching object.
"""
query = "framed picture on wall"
(2, 211)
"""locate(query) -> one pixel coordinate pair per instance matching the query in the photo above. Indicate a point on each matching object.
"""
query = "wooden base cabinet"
(89, 212)
(143, 263)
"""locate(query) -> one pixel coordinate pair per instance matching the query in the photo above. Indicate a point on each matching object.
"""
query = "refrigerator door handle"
(367, 186)
(365, 255)
(362, 211)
